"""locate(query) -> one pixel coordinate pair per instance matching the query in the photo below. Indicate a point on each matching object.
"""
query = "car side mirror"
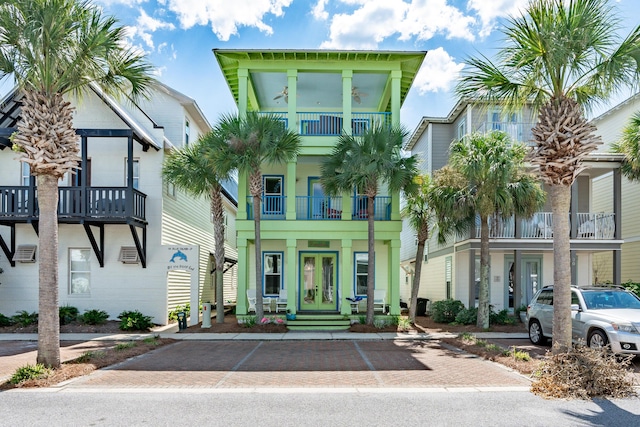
(575, 307)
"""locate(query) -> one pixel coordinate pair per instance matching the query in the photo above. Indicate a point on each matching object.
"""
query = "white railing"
(596, 226)
(540, 226)
(517, 131)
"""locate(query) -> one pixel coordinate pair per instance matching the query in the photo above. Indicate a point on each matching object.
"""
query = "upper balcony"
(517, 131)
(590, 226)
(332, 123)
(115, 205)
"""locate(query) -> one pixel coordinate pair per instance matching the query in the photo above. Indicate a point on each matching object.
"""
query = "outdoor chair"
(251, 298)
(379, 296)
(281, 301)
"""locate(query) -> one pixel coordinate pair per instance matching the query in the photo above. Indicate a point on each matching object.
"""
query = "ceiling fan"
(357, 95)
(284, 94)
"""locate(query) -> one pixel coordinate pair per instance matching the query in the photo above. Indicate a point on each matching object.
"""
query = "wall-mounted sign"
(319, 244)
(181, 257)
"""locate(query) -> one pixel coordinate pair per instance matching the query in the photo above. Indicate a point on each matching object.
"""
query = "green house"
(314, 247)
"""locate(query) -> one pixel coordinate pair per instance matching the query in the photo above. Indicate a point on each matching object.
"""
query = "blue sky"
(179, 36)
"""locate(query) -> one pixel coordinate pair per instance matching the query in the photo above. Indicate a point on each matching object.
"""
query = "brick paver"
(256, 364)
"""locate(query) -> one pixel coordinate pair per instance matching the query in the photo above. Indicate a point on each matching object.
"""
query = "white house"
(119, 223)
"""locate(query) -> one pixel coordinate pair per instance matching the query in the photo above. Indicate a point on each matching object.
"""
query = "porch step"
(315, 322)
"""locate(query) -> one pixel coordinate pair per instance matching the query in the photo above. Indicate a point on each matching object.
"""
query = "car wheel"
(535, 333)
(597, 339)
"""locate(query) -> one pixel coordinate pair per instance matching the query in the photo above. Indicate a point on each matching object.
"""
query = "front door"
(318, 282)
(531, 275)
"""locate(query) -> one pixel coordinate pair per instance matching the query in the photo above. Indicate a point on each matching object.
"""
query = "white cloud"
(490, 11)
(318, 10)
(145, 25)
(374, 20)
(226, 16)
(125, 2)
(439, 71)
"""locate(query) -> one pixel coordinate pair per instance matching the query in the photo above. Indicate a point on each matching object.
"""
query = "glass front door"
(531, 272)
(318, 282)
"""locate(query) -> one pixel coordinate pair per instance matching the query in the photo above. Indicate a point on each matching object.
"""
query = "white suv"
(600, 316)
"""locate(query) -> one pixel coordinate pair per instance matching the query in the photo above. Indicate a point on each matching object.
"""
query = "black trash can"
(421, 307)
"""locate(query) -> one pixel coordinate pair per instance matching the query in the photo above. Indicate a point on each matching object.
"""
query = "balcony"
(331, 123)
(76, 204)
(321, 208)
(517, 131)
(590, 226)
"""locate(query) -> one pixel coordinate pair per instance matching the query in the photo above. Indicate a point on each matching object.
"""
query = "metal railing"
(596, 226)
(540, 226)
(318, 208)
(271, 207)
(381, 208)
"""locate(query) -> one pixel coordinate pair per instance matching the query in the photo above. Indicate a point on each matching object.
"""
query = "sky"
(179, 35)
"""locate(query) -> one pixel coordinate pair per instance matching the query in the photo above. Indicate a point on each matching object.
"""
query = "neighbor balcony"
(517, 131)
(590, 226)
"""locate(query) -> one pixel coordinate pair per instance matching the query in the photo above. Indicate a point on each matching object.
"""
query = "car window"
(602, 300)
(574, 298)
(545, 297)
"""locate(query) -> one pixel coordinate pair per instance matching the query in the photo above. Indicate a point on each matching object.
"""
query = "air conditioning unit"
(129, 255)
(25, 253)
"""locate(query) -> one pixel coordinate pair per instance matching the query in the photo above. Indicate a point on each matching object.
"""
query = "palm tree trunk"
(483, 298)
(560, 206)
(255, 185)
(217, 209)
(370, 265)
(48, 315)
(415, 285)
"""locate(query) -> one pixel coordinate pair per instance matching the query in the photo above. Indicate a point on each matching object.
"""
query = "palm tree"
(485, 177)
(419, 213)
(53, 48)
(190, 169)
(563, 57)
(246, 144)
(629, 145)
(364, 163)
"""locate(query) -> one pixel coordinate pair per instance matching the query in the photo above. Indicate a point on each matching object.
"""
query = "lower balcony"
(590, 226)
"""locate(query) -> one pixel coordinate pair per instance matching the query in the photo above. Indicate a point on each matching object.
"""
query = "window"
(187, 132)
(136, 173)
(361, 265)
(448, 276)
(225, 219)
(272, 273)
(79, 271)
(170, 189)
(25, 174)
(272, 201)
(462, 128)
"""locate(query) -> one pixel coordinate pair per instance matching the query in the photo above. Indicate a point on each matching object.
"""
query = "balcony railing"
(517, 131)
(591, 226)
(321, 208)
(76, 203)
(331, 123)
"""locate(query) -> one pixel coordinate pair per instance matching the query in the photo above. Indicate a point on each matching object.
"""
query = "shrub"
(5, 321)
(249, 321)
(467, 316)
(29, 372)
(134, 321)
(173, 314)
(584, 373)
(93, 317)
(67, 314)
(501, 318)
(124, 345)
(24, 318)
(445, 311)
(633, 287)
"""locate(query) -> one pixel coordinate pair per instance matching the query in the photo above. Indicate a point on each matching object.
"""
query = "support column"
(346, 286)
(290, 190)
(243, 91)
(292, 104)
(243, 275)
(290, 275)
(346, 206)
(396, 87)
(574, 267)
(573, 218)
(395, 207)
(347, 84)
(518, 293)
(394, 277)
(472, 279)
(242, 196)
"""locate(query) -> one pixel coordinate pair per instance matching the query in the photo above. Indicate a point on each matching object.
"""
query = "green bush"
(67, 314)
(5, 321)
(93, 317)
(445, 311)
(501, 318)
(134, 321)
(173, 314)
(633, 287)
(24, 318)
(467, 316)
(29, 372)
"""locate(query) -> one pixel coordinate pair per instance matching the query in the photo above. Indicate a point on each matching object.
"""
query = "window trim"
(70, 272)
(25, 179)
(136, 160)
(462, 125)
(265, 209)
(187, 131)
(281, 274)
(355, 271)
